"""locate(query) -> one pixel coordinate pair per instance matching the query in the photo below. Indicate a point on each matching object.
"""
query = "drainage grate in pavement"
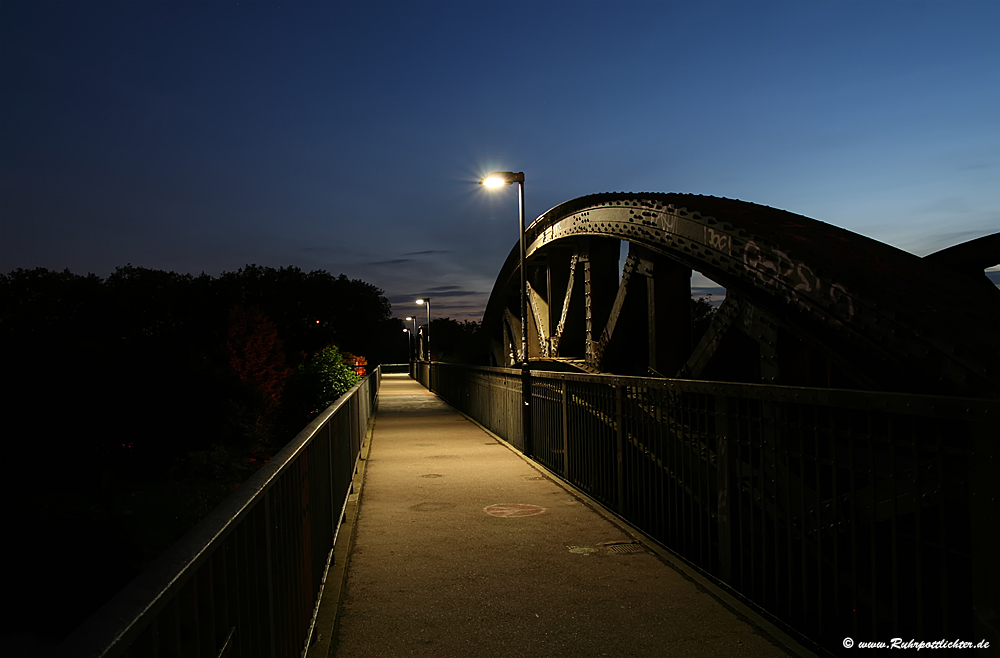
(626, 548)
(432, 475)
(537, 477)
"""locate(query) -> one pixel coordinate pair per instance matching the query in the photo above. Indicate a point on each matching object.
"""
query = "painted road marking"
(513, 509)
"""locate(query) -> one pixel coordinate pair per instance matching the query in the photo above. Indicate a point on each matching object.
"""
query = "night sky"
(350, 136)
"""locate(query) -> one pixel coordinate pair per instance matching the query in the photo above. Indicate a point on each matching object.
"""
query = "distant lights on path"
(427, 334)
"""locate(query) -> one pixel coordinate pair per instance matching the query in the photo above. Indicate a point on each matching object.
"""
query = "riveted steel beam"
(880, 314)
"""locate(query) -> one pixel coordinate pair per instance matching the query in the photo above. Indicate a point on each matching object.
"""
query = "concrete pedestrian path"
(433, 572)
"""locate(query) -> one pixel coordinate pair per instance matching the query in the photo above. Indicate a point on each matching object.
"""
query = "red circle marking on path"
(513, 509)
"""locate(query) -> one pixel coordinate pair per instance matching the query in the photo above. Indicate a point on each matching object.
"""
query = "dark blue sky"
(202, 136)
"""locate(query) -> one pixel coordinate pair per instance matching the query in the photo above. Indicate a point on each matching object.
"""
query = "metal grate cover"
(626, 548)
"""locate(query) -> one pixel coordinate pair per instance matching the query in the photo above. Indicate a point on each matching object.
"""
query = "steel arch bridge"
(807, 304)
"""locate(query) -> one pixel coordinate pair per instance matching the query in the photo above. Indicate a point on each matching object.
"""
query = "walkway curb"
(336, 577)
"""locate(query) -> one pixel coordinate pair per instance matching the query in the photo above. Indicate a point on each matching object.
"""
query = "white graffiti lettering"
(775, 269)
(720, 241)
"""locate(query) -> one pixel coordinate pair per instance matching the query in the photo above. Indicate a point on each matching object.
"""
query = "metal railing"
(246, 581)
(421, 371)
(841, 513)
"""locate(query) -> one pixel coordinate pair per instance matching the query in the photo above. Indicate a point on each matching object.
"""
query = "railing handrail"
(120, 619)
(933, 404)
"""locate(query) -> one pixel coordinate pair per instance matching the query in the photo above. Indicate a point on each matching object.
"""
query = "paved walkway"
(432, 573)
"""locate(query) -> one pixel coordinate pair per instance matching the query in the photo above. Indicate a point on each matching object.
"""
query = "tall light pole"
(498, 179)
(414, 334)
(409, 347)
(427, 334)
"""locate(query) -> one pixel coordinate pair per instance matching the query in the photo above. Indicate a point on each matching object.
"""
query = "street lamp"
(499, 179)
(427, 334)
(409, 347)
(412, 319)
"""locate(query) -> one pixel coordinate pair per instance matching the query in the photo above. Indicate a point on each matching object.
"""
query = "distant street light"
(409, 348)
(414, 334)
(499, 179)
(427, 334)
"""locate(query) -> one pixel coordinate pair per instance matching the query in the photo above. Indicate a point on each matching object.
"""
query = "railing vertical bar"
(266, 588)
(206, 607)
(710, 484)
(690, 487)
(776, 515)
(251, 595)
(243, 602)
(918, 536)
(853, 504)
(270, 557)
(155, 637)
(751, 505)
(803, 518)
(652, 486)
(723, 480)
(894, 528)
(619, 448)
(564, 408)
(873, 542)
(789, 518)
(835, 526)
(945, 559)
(818, 471)
(672, 451)
(284, 580)
(174, 609)
(703, 508)
(223, 590)
(759, 531)
(684, 452)
(740, 521)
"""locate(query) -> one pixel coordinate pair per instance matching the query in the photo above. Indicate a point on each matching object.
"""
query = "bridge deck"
(432, 573)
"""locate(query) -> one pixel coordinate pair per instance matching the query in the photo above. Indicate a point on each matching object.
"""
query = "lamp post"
(409, 349)
(414, 333)
(498, 179)
(427, 334)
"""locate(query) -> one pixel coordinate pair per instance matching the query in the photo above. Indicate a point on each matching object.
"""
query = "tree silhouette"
(131, 405)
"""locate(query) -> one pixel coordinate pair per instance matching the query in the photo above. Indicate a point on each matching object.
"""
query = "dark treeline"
(132, 405)
(458, 341)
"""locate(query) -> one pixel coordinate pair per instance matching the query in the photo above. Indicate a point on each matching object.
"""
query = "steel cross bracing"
(807, 303)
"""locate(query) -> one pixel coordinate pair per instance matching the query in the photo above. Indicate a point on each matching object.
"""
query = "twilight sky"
(349, 136)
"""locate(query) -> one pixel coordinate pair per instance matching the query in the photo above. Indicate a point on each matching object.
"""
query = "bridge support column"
(668, 294)
(600, 280)
(538, 311)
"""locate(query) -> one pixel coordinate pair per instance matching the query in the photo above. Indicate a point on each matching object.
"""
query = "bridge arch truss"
(807, 303)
